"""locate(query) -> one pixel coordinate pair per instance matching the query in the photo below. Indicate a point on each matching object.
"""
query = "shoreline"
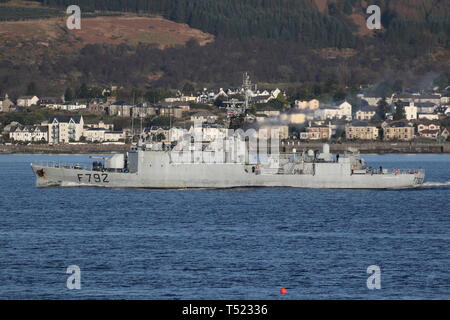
(286, 147)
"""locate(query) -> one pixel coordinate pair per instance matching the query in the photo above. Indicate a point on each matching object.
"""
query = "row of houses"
(389, 131)
(64, 129)
(434, 98)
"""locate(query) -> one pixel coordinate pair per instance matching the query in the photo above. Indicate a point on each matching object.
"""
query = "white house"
(411, 112)
(27, 101)
(428, 116)
(204, 117)
(420, 98)
(307, 105)
(5, 104)
(209, 132)
(447, 112)
(102, 135)
(29, 133)
(342, 111)
(65, 128)
(365, 113)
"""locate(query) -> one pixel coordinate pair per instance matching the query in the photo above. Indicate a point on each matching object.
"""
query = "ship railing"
(65, 165)
(407, 171)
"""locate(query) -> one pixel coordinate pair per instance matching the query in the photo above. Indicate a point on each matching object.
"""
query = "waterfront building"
(29, 133)
(341, 111)
(65, 128)
(361, 131)
(365, 113)
(317, 132)
(27, 101)
(6, 105)
(398, 131)
(411, 112)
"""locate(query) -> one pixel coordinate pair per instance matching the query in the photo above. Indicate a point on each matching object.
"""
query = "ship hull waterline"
(217, 177)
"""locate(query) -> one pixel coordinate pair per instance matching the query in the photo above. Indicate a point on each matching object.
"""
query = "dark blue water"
(224, 244)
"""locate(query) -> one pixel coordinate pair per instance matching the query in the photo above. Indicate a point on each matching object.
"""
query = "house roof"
(366, 108)
(429, 131)
(203, 114)
(66, 118)
(174, 104)
(121, 103)
(29, 128)
(361, 124)
(399, 125)
(415, 96)
(27, 97)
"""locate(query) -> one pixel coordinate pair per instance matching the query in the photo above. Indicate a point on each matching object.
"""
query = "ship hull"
(217, 176)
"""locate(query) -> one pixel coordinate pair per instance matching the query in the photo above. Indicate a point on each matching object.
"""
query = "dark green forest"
(297, 20)
(279, 42)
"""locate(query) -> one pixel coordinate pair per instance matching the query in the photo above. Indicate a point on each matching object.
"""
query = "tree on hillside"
(32, 89)
(83, 92)
(442, 81)
(156, 95)
(399, 112)
(188, 89)
(339, 95)
(382, 109)
(69, 95)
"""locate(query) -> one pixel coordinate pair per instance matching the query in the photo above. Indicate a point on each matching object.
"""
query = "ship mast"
(247, 86)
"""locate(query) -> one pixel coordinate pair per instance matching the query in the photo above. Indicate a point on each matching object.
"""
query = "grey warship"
(158, 166)
(231, 161)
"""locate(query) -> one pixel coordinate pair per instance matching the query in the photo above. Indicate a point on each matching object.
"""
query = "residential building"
(307, 105)
(180, 104)
(67, 106)
(419, 98)
(398, 131)
(274, 130)
(445, 133)
(27, 101)
(427, 126)
(182, 99)
(159, 134)
(143, 111)
(204, 117)
(94, 134)
(269, 111)
(6, 105)
(65, 128)
(50, 102)
(120, 109)
(428, 116)
(29, 133)
(341, 111)
(361, 131)
(317, 133)
(209, 132)
(107, 125)
(102, 135)
(365, 113)
(411, 112)
(293, 117)
(114, 136)
(426, 107)
(174, 112)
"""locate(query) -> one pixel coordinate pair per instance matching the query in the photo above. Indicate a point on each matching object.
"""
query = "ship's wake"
(436, 184)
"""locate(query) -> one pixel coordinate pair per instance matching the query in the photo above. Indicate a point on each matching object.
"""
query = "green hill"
(313, 46)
